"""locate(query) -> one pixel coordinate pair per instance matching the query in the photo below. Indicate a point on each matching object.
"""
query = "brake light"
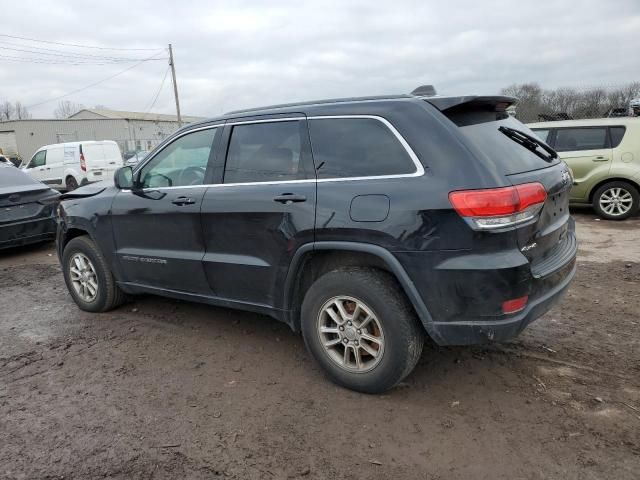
(83, 163)
(499, 207)
(515, 305)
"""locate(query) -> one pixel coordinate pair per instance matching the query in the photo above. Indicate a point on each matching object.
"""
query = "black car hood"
(88, 190)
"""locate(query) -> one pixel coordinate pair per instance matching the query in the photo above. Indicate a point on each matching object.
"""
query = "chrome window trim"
(418, 173)
(140, 166)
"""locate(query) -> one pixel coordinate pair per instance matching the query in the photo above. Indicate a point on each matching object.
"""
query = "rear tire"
(89, 278)
(71, 183)
(389, 343)
(616, 200)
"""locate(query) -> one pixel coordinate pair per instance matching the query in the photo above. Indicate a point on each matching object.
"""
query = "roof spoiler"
(496, 103)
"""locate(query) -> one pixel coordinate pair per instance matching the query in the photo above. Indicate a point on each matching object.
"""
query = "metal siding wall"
(33, 134)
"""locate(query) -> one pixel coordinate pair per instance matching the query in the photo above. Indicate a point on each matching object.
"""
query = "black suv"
(363, 223)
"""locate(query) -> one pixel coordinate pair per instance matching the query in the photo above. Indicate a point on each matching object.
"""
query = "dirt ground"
(164, 389)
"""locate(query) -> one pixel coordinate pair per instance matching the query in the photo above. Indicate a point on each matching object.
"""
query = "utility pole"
(175, 85)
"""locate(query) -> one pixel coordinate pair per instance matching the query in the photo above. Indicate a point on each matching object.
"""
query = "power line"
(76, 45)
(61, 53)
(52, 61)
(91, 85)
(159, 90)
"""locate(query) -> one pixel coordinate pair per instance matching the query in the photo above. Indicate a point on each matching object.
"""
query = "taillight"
(83, 163)
(494, 208)
(515, 305)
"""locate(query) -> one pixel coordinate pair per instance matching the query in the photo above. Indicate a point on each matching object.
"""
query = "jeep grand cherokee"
(366, 224)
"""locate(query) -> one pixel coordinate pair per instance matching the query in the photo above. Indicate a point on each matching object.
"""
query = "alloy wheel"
(350, 334)
(83, 277)
(616, 201)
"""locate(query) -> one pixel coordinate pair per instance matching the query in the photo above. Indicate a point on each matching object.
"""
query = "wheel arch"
(314, 259)
(594, 189)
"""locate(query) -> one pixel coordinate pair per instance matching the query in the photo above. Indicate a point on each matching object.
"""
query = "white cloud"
(248, 53)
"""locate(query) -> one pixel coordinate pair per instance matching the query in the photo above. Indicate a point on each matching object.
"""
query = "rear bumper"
(462, 292)
(24, 233)
(481, 332)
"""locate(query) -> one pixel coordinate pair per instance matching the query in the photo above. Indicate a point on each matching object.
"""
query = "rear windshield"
(480, 128)
(14, 177)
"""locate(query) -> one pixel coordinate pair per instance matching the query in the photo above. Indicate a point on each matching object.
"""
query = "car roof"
(589, 122)
(438, 101)
(74, 144)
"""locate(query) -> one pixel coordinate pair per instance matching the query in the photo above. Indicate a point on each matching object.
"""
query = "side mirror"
(123, 178)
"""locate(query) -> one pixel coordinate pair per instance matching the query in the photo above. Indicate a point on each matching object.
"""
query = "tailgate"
(549, 242)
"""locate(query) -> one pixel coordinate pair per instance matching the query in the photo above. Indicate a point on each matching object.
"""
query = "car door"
(36, 167)
(156, 225)
(54, 168)
(261, 210)
(587, 151)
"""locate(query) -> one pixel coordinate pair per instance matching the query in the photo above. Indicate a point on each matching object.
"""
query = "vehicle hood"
(88, 190)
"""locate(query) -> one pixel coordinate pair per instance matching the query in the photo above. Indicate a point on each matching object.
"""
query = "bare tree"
(535, 102)
(6, 110)
(21, 112)
(66, 108)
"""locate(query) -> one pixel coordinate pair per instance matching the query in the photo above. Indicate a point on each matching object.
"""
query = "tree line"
(17, 111)
(535, 101)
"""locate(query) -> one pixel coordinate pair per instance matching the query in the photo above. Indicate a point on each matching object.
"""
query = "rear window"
(357, 147)
(480, 129)
(583, 138)
(616, 135)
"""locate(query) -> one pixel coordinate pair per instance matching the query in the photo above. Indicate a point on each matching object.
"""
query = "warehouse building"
(132, 131)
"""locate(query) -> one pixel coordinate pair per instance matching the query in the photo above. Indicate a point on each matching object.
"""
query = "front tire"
(88, 277)
(71, 183)
(616, 200)
(360, 328)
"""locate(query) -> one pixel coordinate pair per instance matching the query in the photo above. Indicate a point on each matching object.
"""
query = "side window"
(39, 159)
(616, 135)
(542, 134)
(357, 147)
(573, 139)
(265, 152)
(181, 163)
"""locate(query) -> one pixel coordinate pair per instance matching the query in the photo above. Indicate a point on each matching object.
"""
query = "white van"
(66, 166)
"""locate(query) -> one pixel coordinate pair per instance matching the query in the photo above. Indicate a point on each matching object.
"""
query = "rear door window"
(266, 152)
(581, 138)
(617, 133)
(357, 147)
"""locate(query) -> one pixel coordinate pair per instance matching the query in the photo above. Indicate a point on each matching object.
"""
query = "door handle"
(48, 168)
(601, 159)
(183, 201)
(287, 198)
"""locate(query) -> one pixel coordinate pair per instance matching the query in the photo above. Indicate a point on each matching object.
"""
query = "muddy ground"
(168, 390)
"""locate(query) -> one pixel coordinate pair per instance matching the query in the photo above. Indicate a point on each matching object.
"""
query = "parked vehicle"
(65, 166)
(366, 224)
(604, 155)
(27, 208)
(136, 158)
(619, 112)
(6, 161)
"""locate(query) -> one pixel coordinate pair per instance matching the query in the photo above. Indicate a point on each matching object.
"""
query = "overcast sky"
(238, 54)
